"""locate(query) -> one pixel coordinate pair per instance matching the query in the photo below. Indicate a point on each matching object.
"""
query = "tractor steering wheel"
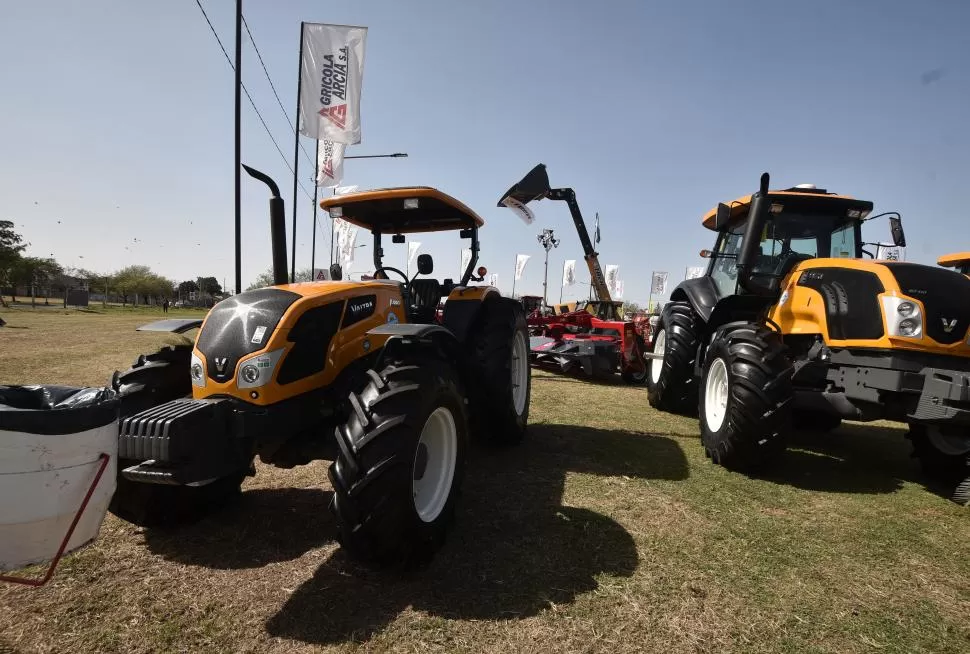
(377, 272)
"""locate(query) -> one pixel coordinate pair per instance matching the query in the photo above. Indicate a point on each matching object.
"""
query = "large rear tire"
(400, 464)
(671, 380)
(944, 459)
(154, 379)
(745, 397)
(500, 379)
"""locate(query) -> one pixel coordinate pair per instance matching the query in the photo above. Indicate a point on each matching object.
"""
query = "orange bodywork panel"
(958, 260)
(388, 211)
(473, 293)
(347, 345)
(801, 311)
(740, 206)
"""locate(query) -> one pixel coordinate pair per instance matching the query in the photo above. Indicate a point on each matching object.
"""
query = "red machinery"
(595, 340)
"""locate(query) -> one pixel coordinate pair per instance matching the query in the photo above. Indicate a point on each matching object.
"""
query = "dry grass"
(607, 531)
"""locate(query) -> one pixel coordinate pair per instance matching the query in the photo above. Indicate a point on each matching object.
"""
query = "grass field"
(608, 530)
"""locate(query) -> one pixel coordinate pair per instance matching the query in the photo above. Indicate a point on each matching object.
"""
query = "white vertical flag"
(610, 272)
(413, 247)
(890, 252)
(658, 285)
(569, 272)
(466, 257)
(522, 211)
(520, 261)
(331, 74)
(330, 164)
(619, 289)
(694, 272)
(493, 280)
(346, 241)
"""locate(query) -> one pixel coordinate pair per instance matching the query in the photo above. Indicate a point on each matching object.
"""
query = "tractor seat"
(425, 294)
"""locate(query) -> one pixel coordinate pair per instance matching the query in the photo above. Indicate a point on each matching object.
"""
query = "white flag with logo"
(520, 261)
(344, 190)
(413, 247)
(658, 286)
(346, 241)
(522, 211)
(569, 272)
(330, 77)
(619, 289)
(890, 252)
(330, 164)
(694, 272)
(466, 257)
(493, 280)
(610, 272)
(321, 274)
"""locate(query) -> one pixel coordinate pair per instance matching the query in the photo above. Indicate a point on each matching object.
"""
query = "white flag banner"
(658, 286)
(413, 247)
(344, 190)
(330, 164)
(694, 272)
(493, 280)
(890, 252)
(466, 257)
(331, 73)
(520, 261)
(619, 289)
(522, 211)
(610, 272)
(346, 241)
(569, 272)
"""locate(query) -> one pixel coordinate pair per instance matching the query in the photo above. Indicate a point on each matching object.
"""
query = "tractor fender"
(464, 306)
(410, 335)
(702, 294)
(173, 325)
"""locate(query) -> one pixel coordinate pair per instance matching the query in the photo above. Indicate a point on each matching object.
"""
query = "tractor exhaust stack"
(277, 226)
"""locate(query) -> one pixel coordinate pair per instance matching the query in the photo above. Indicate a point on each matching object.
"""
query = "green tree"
(11, 245)
(188, 286)
(209, 285)
(265, 278)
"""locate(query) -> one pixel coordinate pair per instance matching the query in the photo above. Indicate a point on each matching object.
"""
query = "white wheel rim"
(659, 347)
(716, 394)
(433, 469)
(520, 373)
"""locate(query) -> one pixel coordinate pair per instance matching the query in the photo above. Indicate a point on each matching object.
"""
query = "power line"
(272, 86)
(246, 91)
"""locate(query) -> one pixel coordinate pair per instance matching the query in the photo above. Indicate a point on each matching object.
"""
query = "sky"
(116, 124)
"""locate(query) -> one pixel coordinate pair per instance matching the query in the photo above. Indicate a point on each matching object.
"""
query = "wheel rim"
(520, 373)
(948, 442)
(716, 395)
(659, 347)
(434, 464)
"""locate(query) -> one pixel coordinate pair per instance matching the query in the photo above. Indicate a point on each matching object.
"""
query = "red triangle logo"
(328, 168)
(337, 114)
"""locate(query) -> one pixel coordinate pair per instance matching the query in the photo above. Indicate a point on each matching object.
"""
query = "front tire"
(671, 380)
(400, 464)
(745, 397)
(944, 459)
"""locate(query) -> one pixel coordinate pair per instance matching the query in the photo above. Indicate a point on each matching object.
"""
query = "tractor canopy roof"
(402, 210)
(805, 198)
(954, 260)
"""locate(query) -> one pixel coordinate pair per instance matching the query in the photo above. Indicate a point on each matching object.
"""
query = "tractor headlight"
(197, 371)
(258, 371)
(903, 317)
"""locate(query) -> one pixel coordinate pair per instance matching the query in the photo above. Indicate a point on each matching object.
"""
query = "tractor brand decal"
(359, 308)
(395, 302)
(948, 325)
(392, 318)
(221, 364)
(366, 345)
(258, 335)
(784, 297)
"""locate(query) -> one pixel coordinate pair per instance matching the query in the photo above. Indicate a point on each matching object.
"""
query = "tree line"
(134, 284)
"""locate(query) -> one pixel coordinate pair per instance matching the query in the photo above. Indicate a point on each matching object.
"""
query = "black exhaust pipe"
(757, 217)
(277, 226)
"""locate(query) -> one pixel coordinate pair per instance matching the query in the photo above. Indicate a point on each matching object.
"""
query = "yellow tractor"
(360, 373)
(791, 320)
(959, 261)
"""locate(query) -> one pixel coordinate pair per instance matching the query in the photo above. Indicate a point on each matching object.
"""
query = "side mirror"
(723, 216)
(896, 227)
(397, 238)
(466, 233)
(425, 264)
(336, 272)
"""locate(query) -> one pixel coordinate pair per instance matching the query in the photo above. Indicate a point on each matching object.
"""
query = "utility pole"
(238, 139)
(548, 241)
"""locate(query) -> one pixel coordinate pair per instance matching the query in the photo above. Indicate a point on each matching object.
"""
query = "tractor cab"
(790, 226)
(960, 261)
(400, 211)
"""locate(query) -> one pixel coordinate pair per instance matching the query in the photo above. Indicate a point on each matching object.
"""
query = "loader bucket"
(533, 186)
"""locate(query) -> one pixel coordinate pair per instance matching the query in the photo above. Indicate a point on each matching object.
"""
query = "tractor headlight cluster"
(903, 317)
(197, 371)
(258, 371)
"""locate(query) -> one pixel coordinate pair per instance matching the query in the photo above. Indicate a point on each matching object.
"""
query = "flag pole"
(515, 270)
(313, 247)
(296, 153)
(238, 144)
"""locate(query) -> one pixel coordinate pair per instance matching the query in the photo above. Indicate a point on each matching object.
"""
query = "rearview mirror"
(397, 238)
(534, 186)
(336, 273)
(723, 216)
(466, 233)
(896, 227)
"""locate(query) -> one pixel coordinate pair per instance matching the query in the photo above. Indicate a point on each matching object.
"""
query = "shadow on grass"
(855, 458)
(515, 549)
(263, 526)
